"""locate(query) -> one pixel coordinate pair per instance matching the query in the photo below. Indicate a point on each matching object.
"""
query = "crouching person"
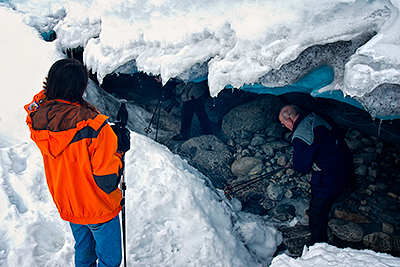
(81, 162)
(319, 148)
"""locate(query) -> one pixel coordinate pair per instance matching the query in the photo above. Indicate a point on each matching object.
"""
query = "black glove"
(124, 137)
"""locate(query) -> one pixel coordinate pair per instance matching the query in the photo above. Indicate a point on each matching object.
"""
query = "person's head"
(67, 79)
(288, 116)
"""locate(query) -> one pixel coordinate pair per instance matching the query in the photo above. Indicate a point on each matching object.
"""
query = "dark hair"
(67, 80)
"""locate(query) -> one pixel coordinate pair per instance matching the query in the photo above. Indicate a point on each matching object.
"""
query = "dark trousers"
(188, 110)
(319, 217)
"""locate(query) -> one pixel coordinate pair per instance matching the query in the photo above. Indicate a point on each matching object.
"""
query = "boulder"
(253, 116)
(347, 231)
(211, 156)
(243, 166)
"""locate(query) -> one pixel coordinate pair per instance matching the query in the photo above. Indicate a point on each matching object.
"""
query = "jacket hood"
(54, 125)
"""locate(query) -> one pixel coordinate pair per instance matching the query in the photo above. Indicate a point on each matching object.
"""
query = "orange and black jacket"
(80, 157)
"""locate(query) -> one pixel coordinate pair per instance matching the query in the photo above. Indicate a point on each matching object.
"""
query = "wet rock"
(347, 231)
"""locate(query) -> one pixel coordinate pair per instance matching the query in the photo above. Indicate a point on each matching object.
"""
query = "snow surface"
(230, 42)
(174, 216)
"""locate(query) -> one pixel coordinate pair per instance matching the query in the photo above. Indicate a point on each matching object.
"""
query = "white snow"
(173, 217)
(237, 41)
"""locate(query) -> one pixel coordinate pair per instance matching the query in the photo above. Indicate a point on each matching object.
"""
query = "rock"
(243, 166)
(275, 130)
(256, 171)
(378, 241)
(282, 160)
(351, 217)
(347, 231)
(268, 152)
(367, 141)
(290, 172)
(252, 203)
(373, 188)
(283, 212)
(369, 149)
(253, 116)
(211, 156)
(294, 239)
(258, 141)
(304, 186)
(355, 145)
(276, 145)
(288, 193)
(274, 192)
(243, 134)
(387, 228)
(362, 170)
(396, 243)
(373, 172)
(358, 161)
(242, 142)
(355, 135)
(268, 204)
(367, 158)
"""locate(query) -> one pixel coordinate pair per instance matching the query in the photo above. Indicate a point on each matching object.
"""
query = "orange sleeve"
(106, 162)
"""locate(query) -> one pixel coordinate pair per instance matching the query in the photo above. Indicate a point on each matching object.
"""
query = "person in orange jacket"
(81, 161)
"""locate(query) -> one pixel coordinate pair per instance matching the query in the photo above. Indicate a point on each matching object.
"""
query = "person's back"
(320, 149)
(328, 151)
(81, 163)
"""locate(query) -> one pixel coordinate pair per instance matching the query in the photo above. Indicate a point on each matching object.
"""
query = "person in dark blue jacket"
(319, 148)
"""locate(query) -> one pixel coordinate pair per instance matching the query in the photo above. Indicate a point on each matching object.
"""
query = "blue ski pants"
(98, 244)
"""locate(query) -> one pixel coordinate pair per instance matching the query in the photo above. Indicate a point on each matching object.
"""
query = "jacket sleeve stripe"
(87, 132)
(107, 183)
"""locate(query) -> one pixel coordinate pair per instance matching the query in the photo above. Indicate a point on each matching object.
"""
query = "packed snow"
(230, 42)
(175, 217)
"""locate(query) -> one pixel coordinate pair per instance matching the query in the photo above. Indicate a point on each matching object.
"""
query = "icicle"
(140, 84)
(213, 102)
(379, 128)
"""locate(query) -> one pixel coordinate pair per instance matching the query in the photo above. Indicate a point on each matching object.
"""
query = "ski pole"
(229, 189)
(123, 120)
(148, 129)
